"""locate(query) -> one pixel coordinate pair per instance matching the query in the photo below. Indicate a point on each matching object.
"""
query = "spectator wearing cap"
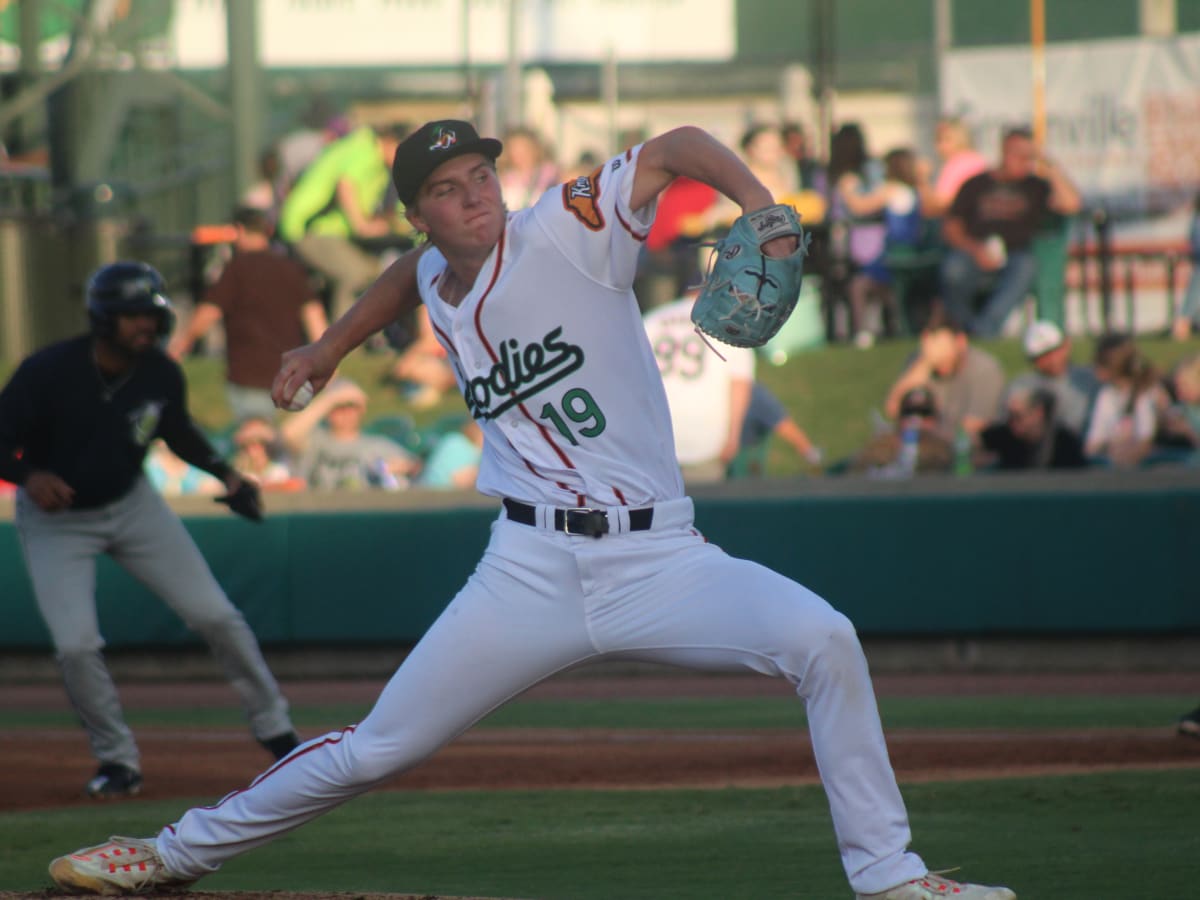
(1031, 436)
(935, 452)
(259, 455)
(340, 455)
(336, 207)
(1048, 351)
(967, 382)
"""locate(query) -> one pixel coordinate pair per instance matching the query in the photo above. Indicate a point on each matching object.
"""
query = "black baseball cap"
(918, 401)
(431, 145)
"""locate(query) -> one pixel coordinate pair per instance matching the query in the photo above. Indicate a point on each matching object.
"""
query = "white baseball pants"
(540, 602)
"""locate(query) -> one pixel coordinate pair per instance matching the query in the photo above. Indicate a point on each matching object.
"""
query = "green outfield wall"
(1086, 554)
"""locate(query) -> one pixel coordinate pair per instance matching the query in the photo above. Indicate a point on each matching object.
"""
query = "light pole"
(245, 92)
(513, 113)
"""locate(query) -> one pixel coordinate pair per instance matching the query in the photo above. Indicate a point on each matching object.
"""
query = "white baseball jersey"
(697, 381)
(560, 427)
(554, 362)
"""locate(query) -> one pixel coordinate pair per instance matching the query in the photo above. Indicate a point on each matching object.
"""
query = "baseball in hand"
(300, 399)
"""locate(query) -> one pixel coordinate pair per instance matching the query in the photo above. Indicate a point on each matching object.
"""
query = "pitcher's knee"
(369, 759)
(839, 649)
(822, 640)
(370, 768)
(843, 636)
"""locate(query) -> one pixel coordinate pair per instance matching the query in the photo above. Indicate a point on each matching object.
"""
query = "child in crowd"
(259, 455)
(897, 199)
(1125, 416)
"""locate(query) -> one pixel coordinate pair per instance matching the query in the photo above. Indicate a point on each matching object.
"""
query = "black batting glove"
(245, 500)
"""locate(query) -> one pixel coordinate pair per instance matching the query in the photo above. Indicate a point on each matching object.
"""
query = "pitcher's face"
(459, 204)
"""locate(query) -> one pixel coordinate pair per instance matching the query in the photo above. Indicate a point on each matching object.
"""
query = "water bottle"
(910, 442)
(962, 453)
(382, 476)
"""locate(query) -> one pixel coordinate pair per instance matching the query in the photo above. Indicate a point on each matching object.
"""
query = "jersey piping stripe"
(617, 209)
(444, 338)
(292, 757)
(566, 460)
(579, 498)
(450, 348)
(634, 234)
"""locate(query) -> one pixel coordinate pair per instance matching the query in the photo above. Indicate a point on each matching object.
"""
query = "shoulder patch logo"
(579, 198)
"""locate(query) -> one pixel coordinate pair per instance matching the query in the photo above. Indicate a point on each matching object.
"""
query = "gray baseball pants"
(143, 535)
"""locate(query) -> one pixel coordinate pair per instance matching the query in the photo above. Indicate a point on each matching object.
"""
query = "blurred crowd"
(944, 249)
(953, 410)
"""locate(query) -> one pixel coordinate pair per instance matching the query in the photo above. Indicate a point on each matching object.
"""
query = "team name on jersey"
(520, 373)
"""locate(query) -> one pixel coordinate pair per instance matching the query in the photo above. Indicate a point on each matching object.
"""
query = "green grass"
(1000, 712)
(1117, 836)
(830, 391)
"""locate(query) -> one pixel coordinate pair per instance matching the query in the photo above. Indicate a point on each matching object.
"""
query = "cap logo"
(443, 139)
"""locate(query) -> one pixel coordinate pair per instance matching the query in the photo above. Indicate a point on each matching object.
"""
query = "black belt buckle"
(593, 522)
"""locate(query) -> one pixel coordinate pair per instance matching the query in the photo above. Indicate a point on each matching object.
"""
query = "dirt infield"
(45, 768)
(254, 895)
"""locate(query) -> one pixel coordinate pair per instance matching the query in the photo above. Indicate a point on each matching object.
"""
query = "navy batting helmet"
(127, 289)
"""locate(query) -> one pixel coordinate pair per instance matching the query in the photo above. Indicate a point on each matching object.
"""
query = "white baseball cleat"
(935, 887)
(122, 866)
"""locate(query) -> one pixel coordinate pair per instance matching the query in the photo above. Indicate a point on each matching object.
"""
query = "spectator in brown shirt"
(263, 298)
(990, 228)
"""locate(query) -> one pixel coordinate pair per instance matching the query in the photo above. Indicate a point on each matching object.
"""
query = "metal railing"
(1103, 263)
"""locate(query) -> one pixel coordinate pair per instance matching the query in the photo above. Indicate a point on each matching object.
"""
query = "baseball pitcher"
(594, 553)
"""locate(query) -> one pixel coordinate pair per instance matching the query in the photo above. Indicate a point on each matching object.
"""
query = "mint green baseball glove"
(748, 296)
